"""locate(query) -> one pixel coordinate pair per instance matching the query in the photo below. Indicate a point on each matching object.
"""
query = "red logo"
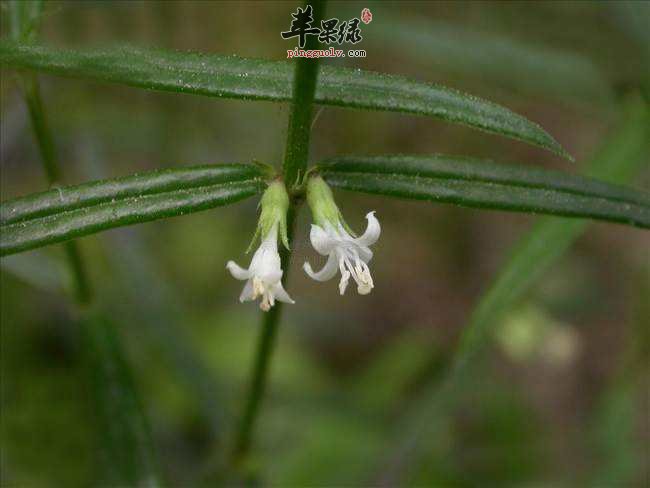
(366, 16)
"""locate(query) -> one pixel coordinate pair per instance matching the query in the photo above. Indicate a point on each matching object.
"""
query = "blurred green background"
(561, 398)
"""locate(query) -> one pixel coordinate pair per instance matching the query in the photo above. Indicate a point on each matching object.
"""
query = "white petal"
(271, 240)
(281, 294)
(273, 275)
(247, 293)
(365, 254)
(326, 273)
(372, 232)
(265, 258)
(237, 271)
(321, 241)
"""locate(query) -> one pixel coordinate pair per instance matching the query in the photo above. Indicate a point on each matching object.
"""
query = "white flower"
(263, 275)
(350, 255)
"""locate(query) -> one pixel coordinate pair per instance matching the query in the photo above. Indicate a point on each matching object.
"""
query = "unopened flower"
(263, 276)
(331, 237)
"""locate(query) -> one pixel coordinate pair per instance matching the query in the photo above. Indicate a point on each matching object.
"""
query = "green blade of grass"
(253, 79)
(483, 184)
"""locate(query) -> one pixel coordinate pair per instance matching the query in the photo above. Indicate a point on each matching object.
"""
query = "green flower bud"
(323, 207)
(275, 204)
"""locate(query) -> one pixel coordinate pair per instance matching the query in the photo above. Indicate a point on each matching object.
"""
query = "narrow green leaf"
(126, 440)
(63, 199)
(62, 214)
(483, 184)
(252, 79)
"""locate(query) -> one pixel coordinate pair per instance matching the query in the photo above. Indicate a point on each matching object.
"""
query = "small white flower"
(263, 275)
(347, 254)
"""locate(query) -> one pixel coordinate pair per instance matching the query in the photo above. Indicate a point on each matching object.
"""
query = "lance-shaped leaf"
(65, 213)
(484, 184)
(254, 79)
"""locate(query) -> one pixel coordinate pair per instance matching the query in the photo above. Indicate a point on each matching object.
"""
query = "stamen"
(258, 287)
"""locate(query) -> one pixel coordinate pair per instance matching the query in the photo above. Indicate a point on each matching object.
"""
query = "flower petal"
(237, 271)
(321, 240)
(281, 294)
(271, 275)
(326, 273)
(365, 253)
(372, 232)
(247, 293)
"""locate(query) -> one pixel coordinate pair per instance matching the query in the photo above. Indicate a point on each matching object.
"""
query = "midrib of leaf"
(233, 77)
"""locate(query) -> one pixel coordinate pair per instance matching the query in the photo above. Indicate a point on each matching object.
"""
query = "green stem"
(41, 129)
(126, 435)
(25, 22)
(44, 140)
(295, 165)
(304, 87)
(25, 19)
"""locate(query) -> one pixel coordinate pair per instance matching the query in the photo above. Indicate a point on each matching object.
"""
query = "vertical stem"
(41, 129)
(82, 292)
(25, 18)
(304, 88)
(295, 164)
(126, 435)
